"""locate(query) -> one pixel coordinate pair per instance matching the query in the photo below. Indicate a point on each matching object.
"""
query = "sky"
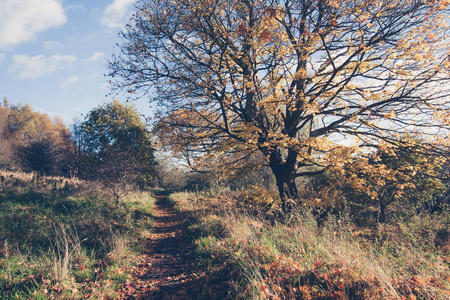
(54, 53)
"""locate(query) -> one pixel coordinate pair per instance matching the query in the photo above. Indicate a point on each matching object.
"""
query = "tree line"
(111, 145)
(32, 141)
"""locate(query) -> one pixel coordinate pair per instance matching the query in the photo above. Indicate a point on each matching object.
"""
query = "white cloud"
(96, 56)
(76, 7)
(70, 82)
(2, 56)
(21, 20)
(117, 13)
(53, 46)
(24, 66)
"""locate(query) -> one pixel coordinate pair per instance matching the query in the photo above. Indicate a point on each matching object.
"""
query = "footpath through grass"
(300, 259)
(64, 239)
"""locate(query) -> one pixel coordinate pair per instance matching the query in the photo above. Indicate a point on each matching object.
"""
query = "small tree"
(6, 153)
(406, 176)
(117, 147)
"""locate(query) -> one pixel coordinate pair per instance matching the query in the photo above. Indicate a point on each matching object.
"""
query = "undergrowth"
(299, 258)
(64, 239)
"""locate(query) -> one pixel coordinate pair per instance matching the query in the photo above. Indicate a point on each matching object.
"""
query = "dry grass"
(298, 259)
(65, 239)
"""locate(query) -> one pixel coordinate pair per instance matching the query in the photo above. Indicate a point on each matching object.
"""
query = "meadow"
(65, 238)
(300, 258)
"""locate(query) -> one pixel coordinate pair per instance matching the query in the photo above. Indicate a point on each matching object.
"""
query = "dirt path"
(168, 270)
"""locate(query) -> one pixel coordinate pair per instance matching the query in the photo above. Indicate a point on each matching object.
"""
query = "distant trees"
(279, 82)
(31, 141)
(112, 145)
(116, 147)
(6, 152)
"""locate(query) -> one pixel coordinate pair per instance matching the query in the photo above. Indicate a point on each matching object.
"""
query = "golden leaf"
(265, 36)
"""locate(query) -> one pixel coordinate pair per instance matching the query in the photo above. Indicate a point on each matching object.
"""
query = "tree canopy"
(32, 141)
(283, 81)
(117, 145)
(391, 176)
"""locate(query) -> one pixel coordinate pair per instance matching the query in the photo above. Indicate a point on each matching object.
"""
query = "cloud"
(53, 46)
(96, 56)
(117, 13)
(2, 56)
(24, 66)
(70, 82)
(76, 7)
(21, 20)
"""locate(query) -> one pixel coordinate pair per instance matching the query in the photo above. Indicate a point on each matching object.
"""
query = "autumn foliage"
(32, 141)
(318, 131)
(289, 84)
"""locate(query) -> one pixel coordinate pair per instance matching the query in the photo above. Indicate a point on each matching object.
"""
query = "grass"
(299, 259)
(64, 239)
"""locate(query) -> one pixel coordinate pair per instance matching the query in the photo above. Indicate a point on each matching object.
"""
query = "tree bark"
(285, 172)
(382, 217)
(288, 191)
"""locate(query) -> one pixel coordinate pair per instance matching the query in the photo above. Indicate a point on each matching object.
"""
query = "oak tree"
(287, 82)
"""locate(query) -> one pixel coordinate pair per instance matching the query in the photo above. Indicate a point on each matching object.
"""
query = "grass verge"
(63, 239)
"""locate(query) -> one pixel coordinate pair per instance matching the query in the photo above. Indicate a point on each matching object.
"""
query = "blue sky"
(53, 53)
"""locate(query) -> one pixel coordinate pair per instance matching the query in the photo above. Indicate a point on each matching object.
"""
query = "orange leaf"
(242, 28)
(272, 12)
(265, 36)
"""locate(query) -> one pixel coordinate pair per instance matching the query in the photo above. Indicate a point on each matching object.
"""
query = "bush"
(257, 199)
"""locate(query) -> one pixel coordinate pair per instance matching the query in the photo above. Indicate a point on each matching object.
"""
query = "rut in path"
(168, 269)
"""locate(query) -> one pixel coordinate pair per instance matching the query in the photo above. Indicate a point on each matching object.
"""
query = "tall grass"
(65, 239)
(299, 259)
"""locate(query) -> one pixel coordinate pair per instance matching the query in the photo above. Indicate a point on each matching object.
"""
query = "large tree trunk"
(382, 216)
(285, 172)
(288, 192)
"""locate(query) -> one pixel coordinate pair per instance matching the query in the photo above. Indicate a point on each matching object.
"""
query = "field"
(299, 258)
(66, 239)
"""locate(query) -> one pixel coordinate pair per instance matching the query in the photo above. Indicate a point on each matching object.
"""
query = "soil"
(168, 269)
